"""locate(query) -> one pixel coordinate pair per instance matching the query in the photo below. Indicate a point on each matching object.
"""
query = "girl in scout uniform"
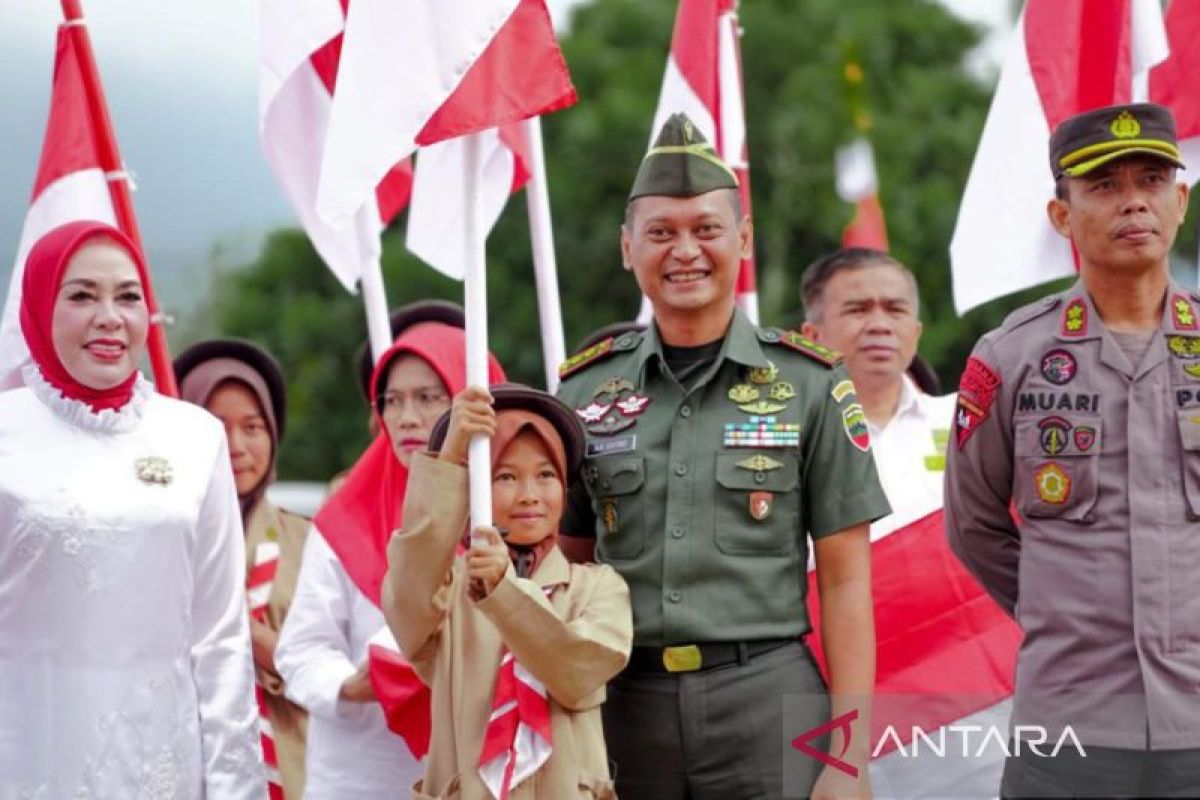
(241, 384)
(516, 643)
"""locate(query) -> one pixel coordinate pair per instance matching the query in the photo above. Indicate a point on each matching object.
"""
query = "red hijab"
(358, 520)
(44, 270)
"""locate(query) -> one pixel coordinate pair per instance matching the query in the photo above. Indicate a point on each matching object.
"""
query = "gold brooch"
(153, 470)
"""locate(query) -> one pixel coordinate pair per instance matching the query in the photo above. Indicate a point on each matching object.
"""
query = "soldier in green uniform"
(715, 450)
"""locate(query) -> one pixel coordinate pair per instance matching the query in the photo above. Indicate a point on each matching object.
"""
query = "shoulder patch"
(1031, 312)
(807, 347)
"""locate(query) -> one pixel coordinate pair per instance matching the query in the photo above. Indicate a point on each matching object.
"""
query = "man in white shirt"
(864, 304)
(939, 636)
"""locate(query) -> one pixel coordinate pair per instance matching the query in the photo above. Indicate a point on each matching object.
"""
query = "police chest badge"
(1053, 485)
(1059, 367)
(614, 407)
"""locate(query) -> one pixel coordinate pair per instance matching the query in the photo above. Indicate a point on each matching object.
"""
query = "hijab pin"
(153, 470)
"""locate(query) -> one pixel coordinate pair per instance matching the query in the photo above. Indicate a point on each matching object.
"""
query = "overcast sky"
(181, 80)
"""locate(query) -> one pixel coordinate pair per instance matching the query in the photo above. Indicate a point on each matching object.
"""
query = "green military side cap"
(1085, 141)
(681, 164)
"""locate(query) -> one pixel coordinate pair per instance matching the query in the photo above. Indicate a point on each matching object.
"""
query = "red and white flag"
(301, 43)
(259, 582)
(704, 81)
(1067, 56)
(858, 185)
(70, 185)
(437, 217)
(417, 73)
(1173, 82)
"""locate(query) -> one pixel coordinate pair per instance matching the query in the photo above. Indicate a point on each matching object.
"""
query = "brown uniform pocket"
(757, 511)
(1189, 440)
(615, 486)
(1056, 469)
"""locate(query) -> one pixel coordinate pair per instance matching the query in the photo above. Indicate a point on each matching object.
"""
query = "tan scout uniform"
(288, 721)
(573, 642)
(1101, 459)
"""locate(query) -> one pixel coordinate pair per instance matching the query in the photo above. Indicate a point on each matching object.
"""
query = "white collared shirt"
(910, 456)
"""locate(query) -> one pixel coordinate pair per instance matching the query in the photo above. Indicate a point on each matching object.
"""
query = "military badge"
(1074, 319)
(760, 505)
(593, 412)
(763, 375)
(615, 385)
(1184, 346)
(782, 391)
(761, 407)
(841, 390)
(854, 422)
(744, 393)
(633, 405)
(608, 512)
(976, 391)
(1085, 437)
(1192, 369)
(1059, 367)
(759, 463)
(1182, 313)
(1054, 435)
(761, 432)
(1052, 484)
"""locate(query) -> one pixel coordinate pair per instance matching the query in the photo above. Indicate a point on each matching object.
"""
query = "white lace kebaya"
(124, 652)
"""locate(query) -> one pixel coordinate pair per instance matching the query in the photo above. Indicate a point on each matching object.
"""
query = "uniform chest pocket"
(1056, 469)
(615, 484)
(1189, 441)
(757, 507)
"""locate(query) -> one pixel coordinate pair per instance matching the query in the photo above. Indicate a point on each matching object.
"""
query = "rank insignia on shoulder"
(1074, 319)
(584, 357)
(807, 347)
(1182, 313)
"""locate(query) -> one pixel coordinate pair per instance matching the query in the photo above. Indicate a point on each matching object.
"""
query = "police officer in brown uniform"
(1082, 411)
(716, 451)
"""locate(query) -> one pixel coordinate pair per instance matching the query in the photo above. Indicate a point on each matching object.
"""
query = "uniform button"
(681, 470)
(685, 412)
(675, 597)
(759, 477)
(676, 532)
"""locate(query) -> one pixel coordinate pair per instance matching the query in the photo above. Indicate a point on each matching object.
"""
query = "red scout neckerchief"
(518, 739)
(358, 521)
(258, 593)
(45, 267)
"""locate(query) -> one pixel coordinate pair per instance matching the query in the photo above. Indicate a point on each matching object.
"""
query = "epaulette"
(802, 345)
(1031, 312)
(597, 352)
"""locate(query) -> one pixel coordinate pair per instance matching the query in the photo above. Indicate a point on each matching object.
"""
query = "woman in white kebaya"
(125, 665)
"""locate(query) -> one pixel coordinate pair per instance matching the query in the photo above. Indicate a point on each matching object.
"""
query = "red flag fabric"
(704, 80)
(70, 185)
(858, 184)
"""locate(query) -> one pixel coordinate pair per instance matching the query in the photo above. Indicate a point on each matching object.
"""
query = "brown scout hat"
(1085, 141)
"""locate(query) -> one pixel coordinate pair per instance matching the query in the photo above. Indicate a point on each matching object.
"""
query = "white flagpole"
(479, 461)
(545, 268)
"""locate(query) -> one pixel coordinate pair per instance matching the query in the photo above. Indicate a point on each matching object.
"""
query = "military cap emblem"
(1125, 126)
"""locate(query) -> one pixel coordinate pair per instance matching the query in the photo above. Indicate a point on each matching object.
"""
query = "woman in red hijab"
(124, 648)
(335, 615)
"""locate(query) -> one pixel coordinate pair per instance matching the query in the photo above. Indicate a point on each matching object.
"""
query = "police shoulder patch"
(807, 347)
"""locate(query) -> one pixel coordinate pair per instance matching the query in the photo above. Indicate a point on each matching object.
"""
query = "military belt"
(700, 657)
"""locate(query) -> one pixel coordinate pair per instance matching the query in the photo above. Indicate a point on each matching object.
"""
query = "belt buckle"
(683, 658)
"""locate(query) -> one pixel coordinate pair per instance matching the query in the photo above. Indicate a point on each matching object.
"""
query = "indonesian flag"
(1173, 82)
(401, 693)
(1068, 56)
(301, 43)
(437, 218)
(70, 185)
(259, 582)
(416, 73)
(704, 81)
(945, 655)
(858, 184)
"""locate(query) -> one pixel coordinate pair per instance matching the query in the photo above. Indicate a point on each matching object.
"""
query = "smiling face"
(685, 253)
(411, 402)
(1123, 215)
(869, 314)
(100, 318)
(235, 405)
(527, 495)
